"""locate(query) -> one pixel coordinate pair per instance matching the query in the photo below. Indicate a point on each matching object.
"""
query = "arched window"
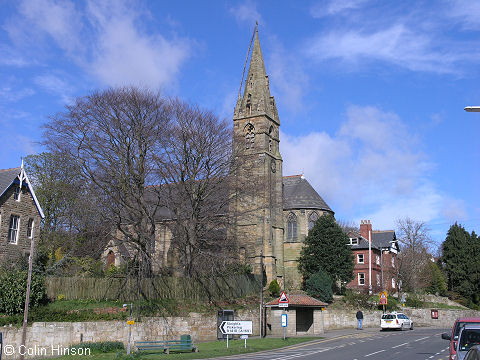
(291, 227)
(313, 217)
(249, 136)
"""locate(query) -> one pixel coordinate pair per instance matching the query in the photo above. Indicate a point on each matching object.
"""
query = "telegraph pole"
(27, 296)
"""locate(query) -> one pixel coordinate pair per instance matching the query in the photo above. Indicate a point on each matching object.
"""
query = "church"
(272, 218)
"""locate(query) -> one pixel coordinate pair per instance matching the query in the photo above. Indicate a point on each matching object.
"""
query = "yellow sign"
(323, 309)
(383, 298)
(131, 322)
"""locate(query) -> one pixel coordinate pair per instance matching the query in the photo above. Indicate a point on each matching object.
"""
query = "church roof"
(7, 177)
(299, 194)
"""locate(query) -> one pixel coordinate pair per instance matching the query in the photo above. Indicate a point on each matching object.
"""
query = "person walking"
(359, 317)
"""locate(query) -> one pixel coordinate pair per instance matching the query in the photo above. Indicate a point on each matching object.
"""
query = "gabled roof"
(299, 300)
(299, 194)
(10, 176)
(380, 239)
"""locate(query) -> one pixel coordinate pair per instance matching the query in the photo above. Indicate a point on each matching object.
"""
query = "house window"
(393, 261)
(393, 283)
(249, 136)
(312, 219)
(378, 279)
(353, 241)
(13, 229)
(361, 278)
(292, 227)
(16, 193)
(360, 259)
(377, 259)
(30, 228)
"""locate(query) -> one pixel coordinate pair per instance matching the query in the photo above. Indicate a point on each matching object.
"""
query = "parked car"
(473, 353)
(453, 337)
(469, 337)
(396, 320)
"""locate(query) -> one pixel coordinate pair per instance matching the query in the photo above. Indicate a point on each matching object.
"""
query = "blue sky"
(370, 93)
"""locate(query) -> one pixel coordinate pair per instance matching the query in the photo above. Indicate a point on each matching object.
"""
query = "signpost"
(383, 299)
(284, 324)
(283, 301)
(236, 328)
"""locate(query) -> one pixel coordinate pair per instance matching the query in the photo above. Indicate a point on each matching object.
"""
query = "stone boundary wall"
(57, 336)
(341, 319)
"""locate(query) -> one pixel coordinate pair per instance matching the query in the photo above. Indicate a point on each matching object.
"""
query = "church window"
(249, 136)
(312, 219)
(292, 227)
(249, 104)
(269, 144)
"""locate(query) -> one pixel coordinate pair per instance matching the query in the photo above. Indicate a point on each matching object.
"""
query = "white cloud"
(7, 93)
(55, 85)
(125, 55)
(106, 39)
(247, 12)
(397, 44)
(371, 168)
(335, 7)
(465, 12)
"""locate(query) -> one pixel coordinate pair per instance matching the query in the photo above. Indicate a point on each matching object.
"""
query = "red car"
(453, 337)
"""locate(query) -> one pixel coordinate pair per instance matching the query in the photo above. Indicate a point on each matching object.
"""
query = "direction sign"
(236, 327)
(383, 298)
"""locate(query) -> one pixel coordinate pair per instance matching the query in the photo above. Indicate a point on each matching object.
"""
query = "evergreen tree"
(326, 249)
(438, 284)
(458, 255)
(319, 285)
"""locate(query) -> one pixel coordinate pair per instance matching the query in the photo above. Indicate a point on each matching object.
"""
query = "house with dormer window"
(375, 259)
(20, 213)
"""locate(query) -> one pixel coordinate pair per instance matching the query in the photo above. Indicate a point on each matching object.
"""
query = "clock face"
(273, 166)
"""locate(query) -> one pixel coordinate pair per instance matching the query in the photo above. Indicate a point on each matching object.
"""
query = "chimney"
(365, 227)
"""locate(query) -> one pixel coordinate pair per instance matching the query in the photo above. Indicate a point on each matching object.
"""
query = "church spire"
(256, 98)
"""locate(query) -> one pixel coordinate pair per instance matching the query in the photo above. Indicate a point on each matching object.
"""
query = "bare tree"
(114, 136)
(415, 240)
(196, 164)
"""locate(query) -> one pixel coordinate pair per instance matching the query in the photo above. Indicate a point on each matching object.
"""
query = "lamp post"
(472, 108)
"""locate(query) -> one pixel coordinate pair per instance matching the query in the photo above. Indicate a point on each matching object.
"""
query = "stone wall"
(60, 335)
(201, 327)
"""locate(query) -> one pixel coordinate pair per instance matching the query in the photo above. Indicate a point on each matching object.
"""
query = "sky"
(370, 93)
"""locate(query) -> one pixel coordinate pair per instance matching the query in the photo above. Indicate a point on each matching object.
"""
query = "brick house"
(20, 214)
(382, 264)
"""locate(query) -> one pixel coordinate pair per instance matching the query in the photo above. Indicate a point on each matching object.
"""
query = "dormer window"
(16, 193)
(353, 241)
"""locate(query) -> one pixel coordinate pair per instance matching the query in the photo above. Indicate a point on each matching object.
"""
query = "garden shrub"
(413, 300)
(13, 288)
(274, 288)
(100, 347)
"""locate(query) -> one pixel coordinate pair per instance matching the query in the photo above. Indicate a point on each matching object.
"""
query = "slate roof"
(7, 177)
(299, 300)
(299, 194)
(380, 239)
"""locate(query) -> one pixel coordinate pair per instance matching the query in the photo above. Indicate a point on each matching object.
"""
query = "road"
(419, 344)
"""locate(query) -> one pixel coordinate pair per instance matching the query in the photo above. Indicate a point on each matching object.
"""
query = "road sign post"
(284, 324)
(242, 327)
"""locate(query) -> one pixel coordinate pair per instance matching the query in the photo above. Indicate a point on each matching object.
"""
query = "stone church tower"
(257, 195)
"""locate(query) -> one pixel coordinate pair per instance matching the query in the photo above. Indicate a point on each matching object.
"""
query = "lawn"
(205, 350)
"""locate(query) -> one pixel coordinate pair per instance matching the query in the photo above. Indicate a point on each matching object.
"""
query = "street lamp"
(472, 108)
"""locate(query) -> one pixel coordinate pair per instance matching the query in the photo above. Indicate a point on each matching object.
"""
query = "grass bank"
(205, 350)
